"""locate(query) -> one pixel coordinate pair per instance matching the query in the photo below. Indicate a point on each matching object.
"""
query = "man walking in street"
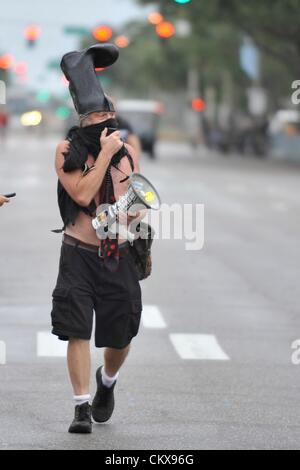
(94, 276)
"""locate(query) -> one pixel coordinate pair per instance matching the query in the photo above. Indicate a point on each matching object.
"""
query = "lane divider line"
(152, 317)
(199, 347)
(2, 353)
(49, 345)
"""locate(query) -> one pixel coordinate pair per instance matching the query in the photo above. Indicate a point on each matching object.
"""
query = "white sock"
(106, 380)
(81, 399)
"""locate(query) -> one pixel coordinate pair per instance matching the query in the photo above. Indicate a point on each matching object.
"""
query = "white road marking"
(2, 353)
(152, 317)
(196, 346)
(49, 345)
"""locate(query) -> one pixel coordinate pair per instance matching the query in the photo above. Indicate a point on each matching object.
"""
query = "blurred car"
(284, 135)
(143, 117)
(25, 112)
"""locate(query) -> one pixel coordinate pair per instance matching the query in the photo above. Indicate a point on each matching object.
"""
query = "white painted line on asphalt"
(196, 346)
(152, 317)
(49, 345)
(2, 353)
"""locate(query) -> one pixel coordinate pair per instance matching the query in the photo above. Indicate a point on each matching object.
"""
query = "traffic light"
(165, 30)
(43, 96)
(102, 33)
(199, 105)
(21, 68)
(155, 18)
(6, 61)
(32, 34)
(182, 2)
(63, 112)
(122, 42)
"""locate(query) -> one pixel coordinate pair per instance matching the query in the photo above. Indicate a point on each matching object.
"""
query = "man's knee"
(79, 342)
(119, 350)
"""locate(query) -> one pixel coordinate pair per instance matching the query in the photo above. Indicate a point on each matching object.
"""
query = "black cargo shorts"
(86, 287)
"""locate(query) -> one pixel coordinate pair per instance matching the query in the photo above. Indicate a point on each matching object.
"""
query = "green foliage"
(273, 24)
(218, 27)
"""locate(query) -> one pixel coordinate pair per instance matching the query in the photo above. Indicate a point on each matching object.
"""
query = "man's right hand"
(3, 200)
(111, 144)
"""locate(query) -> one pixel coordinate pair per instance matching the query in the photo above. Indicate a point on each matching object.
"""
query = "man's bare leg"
(104, 402)
(114, 359)
(79, 364)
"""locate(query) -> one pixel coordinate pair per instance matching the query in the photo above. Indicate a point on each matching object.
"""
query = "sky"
(52, 16)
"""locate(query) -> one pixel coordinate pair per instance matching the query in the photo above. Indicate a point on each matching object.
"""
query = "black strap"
(132, 168)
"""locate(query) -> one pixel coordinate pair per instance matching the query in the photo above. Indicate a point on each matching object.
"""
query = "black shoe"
(104, 401)
(82, 423)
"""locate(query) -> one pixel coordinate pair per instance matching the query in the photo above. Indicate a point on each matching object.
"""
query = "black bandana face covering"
(85, 141)
(91, 134)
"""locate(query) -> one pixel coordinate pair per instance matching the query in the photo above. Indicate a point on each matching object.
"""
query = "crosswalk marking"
(188, 346)
(49, 345)
(198, 346)
(2, 353)
(152, 317)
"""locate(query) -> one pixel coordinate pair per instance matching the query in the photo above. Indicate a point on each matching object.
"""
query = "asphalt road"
(211, 367)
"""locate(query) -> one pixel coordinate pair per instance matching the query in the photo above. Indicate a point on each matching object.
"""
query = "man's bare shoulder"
(62, 148)
(135, 156)
(131, 150)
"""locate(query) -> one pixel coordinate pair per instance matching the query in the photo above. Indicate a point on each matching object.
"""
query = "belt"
(72, 241)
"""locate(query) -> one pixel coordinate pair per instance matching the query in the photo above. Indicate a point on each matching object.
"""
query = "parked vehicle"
(284, 135)
(144, 117)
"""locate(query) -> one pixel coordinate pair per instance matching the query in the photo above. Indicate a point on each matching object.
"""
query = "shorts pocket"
(61, 309)
(137, 306)
(135, 317)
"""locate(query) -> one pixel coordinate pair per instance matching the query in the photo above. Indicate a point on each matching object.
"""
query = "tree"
(274, 25)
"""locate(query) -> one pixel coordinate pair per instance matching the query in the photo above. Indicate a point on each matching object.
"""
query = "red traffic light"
(199, 105)
(32, 33)
(165, 30)
(103, 33)
(155, 18)
(21, 68)
(6, 61)
(122, 42)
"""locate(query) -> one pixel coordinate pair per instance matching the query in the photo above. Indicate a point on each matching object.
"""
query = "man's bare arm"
(83, 189)
(135, 142)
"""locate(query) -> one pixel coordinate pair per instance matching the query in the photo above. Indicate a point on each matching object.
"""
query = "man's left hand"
(127, 219)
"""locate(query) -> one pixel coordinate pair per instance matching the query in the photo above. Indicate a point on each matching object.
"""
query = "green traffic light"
(63, 112)
(182, 2)
(43, 96)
